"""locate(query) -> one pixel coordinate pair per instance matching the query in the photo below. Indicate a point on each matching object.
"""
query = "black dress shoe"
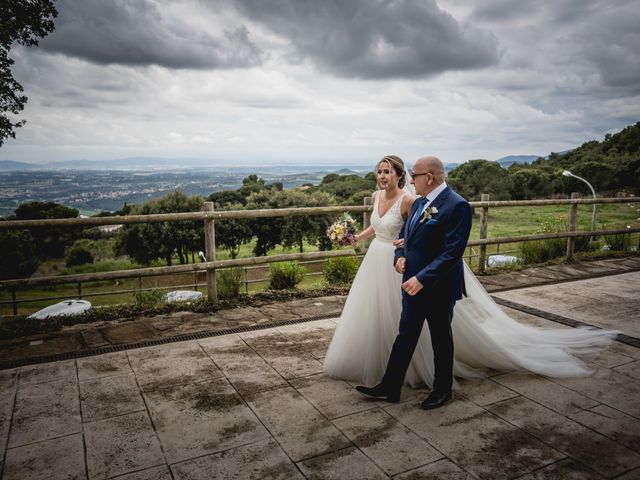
(379, 392)
(435, 400)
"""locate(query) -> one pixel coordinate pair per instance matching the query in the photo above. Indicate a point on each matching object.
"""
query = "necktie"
(416, 215)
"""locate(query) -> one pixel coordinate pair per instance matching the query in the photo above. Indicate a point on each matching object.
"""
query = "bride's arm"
(405, 208)
(366, 233)
(369, 231)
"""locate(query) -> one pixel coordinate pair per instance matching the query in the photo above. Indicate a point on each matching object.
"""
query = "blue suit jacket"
(433, 249)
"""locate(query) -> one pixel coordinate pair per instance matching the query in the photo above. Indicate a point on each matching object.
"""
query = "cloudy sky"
(336, 81)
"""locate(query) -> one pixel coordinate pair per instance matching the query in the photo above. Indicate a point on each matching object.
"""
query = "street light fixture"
(567, 173)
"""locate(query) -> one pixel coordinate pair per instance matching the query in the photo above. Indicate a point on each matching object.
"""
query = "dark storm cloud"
(134, 32)
(601, 36)
(374, 38)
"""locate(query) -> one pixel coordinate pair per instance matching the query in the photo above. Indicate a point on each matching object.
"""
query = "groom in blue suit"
(435, 235)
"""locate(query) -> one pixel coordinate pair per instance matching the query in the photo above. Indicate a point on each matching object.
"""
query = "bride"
(484, 336)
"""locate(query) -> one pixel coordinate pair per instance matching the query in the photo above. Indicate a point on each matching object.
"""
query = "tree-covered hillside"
(611, 166)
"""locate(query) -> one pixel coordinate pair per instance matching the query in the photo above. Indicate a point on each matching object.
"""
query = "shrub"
(540, 251)
(229, 283)
(285, 275)
(77, 255)
(340, 270)
(151, 298)
(619, 242)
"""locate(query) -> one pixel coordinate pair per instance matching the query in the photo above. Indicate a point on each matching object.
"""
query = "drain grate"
(622, 338)
(161, 341)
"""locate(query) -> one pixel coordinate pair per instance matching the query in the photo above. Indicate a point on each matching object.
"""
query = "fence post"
(210, 252)
(80, 290)
(14, 301)
(366, 220)
(484, 218)
(571, 241)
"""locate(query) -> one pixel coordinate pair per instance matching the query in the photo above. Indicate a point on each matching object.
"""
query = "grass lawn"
(503, 222)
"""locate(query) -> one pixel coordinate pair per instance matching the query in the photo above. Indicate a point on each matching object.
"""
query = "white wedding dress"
(484, 336)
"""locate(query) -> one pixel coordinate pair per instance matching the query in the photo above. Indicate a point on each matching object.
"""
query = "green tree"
(77, 255)
(149, 241)
(50, 241)
(311, 228)
(344, 187)
(19, 258)
(266, 230)
(528, 183)
(475, 177)
(231, 234)
(22, 22)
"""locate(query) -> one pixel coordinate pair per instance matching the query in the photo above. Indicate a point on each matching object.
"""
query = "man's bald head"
(433, 165)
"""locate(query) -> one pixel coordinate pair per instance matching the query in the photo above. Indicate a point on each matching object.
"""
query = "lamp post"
(567, 173)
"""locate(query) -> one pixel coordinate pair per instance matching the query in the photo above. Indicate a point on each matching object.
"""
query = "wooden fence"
(209, 215)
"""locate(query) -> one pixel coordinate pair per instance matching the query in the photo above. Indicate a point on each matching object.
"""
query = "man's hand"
(400, 265)
(411, 286)
(399, 243)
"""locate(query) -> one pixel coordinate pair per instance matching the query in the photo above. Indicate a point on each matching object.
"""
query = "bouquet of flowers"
(342, 232)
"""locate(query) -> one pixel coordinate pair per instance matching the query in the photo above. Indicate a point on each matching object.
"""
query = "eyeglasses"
(414, 175)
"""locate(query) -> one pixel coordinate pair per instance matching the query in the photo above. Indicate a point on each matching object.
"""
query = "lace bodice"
(388, 226)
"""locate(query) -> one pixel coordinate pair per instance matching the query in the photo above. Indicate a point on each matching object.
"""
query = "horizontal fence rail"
(209, 216)
(277, 212)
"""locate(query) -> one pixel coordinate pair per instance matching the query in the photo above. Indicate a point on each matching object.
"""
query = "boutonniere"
(428, 213)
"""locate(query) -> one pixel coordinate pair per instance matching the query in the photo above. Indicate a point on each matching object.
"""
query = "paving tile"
(201, 418)
(440, 470)
(8, 379)
(631, 369)
(174, 364)
(298, 427)
(568, 436)
(154, 473)
(551, 395)
(312, 338)
(392, 446)
(309, 307)
(58, 458)
(243, 316)
(476, 440)
(624, 349)
(284, 356)
(611, 359)
(107, 365)
(631, 475)
(609, 387)
(8, 386)
(334, 398)
(345, 463)
(45, 410)
(567, 469)
(130, 332)
(245, 369)
(260, 460)
(611, 423)
(47, 372)
(109, 396)
(484, 391)
(119, 445)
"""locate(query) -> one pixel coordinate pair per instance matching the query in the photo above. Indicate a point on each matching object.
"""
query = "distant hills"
(167, 164)
(509, 160)
(10, 165)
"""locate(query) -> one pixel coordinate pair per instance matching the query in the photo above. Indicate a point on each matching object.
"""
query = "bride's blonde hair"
(398, 165)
